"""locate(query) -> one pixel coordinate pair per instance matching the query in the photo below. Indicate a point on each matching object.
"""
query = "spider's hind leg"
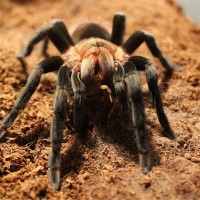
(144, 64)
(44, 47)
(137, 38)
(56, 31)
(118, 28)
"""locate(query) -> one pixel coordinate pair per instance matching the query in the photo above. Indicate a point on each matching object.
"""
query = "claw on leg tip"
(55, 178)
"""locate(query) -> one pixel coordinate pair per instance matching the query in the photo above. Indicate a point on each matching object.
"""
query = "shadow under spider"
(72, 159)
(116, 131)
(119, 132)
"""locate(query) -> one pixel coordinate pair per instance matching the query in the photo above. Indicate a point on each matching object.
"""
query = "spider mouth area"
(97, 70)
(97, 66)
(97, 73)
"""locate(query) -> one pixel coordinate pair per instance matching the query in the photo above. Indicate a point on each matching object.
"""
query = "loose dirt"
(105, 166)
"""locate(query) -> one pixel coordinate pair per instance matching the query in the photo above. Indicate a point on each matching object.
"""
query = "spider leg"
(48, 65)
(118, 29)
(79, 102)
(44, 47)
(144, 64)
(132, 86)
(119, 83)
(56, 31)
(57, 127)
(137, 38)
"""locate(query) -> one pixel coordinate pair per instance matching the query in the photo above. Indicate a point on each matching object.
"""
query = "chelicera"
(94, 58)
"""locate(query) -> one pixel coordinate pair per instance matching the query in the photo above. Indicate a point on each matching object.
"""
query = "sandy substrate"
(104, 166)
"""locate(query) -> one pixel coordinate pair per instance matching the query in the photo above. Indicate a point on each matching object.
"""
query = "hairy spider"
(93, 57)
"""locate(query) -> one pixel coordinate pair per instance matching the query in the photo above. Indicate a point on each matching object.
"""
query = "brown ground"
(101, 168)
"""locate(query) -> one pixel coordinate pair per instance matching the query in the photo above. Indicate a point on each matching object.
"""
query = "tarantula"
(93, 57)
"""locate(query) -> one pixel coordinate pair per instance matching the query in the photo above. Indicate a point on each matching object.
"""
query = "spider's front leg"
(137, 38)
(129, 80)
(79, 103)
(57, 127)
(48, 65)
(144, 64)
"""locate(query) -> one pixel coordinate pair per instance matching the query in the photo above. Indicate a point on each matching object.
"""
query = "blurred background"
(191, 8)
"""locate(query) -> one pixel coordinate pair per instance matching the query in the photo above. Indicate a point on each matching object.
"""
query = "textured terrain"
(105, 166)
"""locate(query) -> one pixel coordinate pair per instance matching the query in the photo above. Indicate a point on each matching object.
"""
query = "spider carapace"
(96, 59)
